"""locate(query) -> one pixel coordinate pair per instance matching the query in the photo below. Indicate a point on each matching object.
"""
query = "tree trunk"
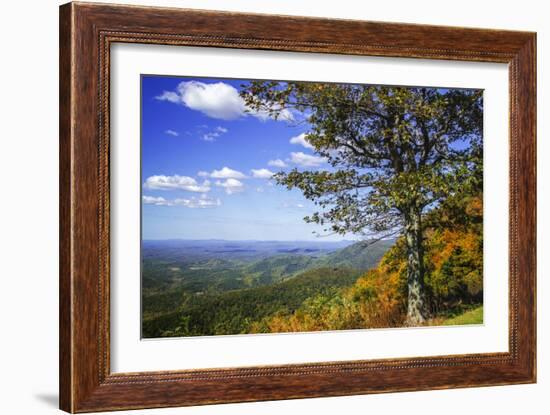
(416, 305)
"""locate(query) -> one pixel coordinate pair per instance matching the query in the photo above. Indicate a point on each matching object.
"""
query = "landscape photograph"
(280, 206)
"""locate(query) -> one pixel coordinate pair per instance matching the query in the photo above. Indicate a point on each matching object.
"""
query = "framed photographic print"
(261, 207)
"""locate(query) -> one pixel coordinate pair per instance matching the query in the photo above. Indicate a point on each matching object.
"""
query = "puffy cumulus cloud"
(202, 202)
(277, 163)
(161, 182)
(262, 173)
(223, 173)
(301, 140)
(216, 100)
(231, 186)
(306, 160)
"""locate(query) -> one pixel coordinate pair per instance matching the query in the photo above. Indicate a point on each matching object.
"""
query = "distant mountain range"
(241, 264)
(240, 249)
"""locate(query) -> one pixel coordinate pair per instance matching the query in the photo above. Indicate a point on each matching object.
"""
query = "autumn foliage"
(453, 280)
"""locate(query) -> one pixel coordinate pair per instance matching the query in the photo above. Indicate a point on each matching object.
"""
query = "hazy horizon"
(253, 240)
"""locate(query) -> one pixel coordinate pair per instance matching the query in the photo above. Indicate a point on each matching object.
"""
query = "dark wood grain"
(86, 33)
(65, 246)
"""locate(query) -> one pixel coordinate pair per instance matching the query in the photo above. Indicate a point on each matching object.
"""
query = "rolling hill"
(196, 293)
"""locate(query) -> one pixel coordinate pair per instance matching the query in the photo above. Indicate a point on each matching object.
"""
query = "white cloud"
(231, 186)
(161, 182)
(201, 202)
(301, 140)
(218, 100)
(306, 160)
(262, 173)
(158, 201)
(212, 135)
(299, 205)
(277, 163)
(172, 133)
(227, 173)
(260, 189)
(284, 114)
(203, 173)
(169, 96)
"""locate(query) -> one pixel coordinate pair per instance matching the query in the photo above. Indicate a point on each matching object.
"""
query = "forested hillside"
(454, 281)
(186, 291)
(236, 311)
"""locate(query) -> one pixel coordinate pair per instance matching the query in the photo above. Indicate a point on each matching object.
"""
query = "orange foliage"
(453, 260)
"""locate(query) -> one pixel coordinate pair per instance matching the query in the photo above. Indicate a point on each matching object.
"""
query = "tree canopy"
(394, 153)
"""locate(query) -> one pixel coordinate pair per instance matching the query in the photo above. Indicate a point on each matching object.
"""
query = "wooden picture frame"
(86, 33)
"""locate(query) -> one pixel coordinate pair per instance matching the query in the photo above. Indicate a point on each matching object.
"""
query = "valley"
(215, 287)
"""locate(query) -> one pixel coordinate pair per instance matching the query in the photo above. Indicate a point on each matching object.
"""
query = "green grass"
(474, 316)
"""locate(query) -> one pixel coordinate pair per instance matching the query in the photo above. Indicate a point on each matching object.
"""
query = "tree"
(394, 153)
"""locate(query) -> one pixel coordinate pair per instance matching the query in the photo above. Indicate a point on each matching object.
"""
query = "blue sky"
(206, 165)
